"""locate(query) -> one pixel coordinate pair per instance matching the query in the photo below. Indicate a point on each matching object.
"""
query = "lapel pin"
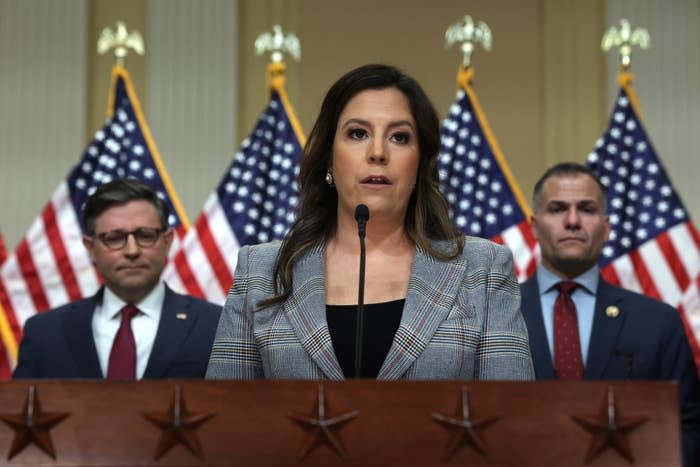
(182, 316)
(612, 311)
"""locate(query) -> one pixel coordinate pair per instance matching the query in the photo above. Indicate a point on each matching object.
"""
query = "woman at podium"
(431, 303)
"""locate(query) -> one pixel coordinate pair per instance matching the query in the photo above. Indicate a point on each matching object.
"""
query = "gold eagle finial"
(469, 34)
(624, 38)
(278, 44)
(121, 41)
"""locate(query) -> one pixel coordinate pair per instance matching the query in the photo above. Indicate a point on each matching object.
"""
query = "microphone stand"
(361, 215)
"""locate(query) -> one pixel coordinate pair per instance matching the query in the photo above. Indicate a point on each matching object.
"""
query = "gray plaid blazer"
(461, 320)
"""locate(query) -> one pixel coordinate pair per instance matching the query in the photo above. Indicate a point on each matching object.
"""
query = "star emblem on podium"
(465, 428)
(178, 426)
(609, 428)
(32, 426)
(320, 428)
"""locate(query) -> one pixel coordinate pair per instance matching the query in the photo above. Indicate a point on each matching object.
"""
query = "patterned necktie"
(122, 358)
(568, 363)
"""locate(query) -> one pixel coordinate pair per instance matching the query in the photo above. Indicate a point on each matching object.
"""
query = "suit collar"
(77, 327)
(532, 312)
(432, 292)
(547, 279)
(603, 335)
(176, 321)
(150, 305)
(606, 329)
(306, 310)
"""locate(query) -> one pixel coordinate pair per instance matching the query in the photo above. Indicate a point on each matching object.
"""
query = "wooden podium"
(256, 423)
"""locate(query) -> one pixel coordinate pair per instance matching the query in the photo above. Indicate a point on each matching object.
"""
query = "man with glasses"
(134, 327)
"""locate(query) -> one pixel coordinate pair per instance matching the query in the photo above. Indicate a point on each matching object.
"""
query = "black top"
(380, 322)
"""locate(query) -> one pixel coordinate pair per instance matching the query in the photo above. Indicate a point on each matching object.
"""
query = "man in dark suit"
(134, 327)
(581, 327)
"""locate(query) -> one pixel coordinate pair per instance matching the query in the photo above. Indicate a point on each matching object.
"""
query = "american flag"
(50, 266)
(484, 199)
(654, 247)
(8, 345)
(254, 201)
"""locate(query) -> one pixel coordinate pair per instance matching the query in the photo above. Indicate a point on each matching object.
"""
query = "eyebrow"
(583, 202)
(391, 124)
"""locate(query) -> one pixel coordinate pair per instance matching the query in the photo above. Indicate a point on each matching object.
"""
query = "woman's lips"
(375, 180)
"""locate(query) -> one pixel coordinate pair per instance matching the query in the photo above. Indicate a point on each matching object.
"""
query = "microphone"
(361, 216)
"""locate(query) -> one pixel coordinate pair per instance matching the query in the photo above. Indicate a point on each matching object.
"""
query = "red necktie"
(122, 358)
(568, 363)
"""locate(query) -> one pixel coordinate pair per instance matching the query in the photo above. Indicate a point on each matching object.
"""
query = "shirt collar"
(588, 280)
(151, 305)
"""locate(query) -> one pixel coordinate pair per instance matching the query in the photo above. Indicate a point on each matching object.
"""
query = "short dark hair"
(427, 215)
(566, 169)
(116, 193)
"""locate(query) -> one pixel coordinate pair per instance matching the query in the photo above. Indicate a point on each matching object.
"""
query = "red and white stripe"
(6, 357)
(523, 245)
(50, 266)
(210, 251)
(668, 269)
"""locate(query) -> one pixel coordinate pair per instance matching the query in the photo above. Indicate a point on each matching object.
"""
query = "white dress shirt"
(107, 318)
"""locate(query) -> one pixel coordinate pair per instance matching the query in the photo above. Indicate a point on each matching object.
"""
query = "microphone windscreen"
(361, 212)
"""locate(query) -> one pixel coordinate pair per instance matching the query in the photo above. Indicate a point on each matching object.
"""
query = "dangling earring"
(329, 178)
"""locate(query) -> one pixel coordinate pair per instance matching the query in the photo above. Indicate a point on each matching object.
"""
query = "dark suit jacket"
(646, 340)
(59, 343)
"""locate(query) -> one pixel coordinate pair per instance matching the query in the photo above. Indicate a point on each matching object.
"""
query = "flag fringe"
(7, 336)
(624, 79)
(277, 82)
(120, 72)
(464, 78)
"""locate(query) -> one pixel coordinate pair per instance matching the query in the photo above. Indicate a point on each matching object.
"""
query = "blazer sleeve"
(234, 353)
(504, 350)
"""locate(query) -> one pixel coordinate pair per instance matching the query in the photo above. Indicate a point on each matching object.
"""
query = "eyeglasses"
(116, 239)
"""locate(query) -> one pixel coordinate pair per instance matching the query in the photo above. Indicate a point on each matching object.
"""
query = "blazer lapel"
(532, 312)
(306, 310)
(605, 330)
(77, 327)
(432, 291)
(174, 326)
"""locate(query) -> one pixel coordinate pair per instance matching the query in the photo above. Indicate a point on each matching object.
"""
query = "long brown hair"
(427, 214)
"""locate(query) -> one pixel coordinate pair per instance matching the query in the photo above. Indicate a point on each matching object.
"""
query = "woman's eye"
(401, 138)
(357, 133)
